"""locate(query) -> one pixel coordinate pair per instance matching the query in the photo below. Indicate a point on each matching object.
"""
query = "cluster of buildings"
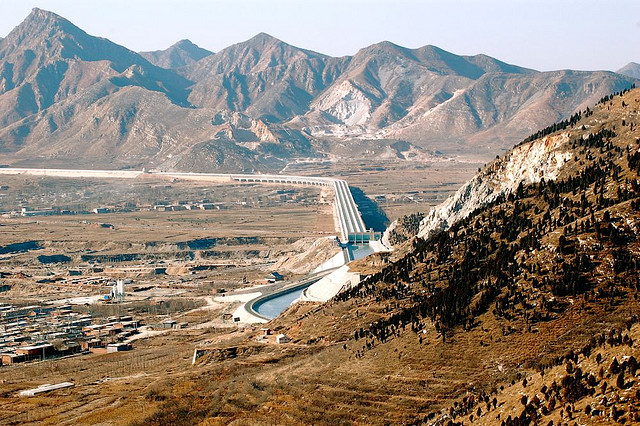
(30, 333)
(29, 212)
(266, 336)
(181, 207)
(272, 198)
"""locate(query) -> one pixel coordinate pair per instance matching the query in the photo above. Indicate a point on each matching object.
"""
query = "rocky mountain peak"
(50, 37)
(43, 24)
(263, 39)
(384, 51)
(46, 59)
(632, 69)
(263, 76)
(441, 61)
(188, 45)
(263, 45)
(185, 42)
(385, 46)
(180, 54)
(45, 17)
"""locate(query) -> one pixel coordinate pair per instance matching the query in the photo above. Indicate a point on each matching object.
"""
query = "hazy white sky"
(540, 34)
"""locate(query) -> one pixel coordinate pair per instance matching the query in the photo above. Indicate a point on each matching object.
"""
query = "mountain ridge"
(632, 69)
(263, 76)
(52, 74)
(180, 54)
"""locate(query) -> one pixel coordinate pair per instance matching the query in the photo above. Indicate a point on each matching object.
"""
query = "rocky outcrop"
(527, 163)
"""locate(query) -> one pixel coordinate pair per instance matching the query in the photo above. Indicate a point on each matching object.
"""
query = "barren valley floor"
(178, 261)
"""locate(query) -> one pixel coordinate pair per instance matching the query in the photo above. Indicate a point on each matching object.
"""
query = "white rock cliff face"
(526, 164)
(348, 104)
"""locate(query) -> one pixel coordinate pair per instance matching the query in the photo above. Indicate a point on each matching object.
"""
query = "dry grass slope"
(518, 288)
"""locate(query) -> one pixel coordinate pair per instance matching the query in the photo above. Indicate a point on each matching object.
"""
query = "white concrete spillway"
(347, 210)
(350, 221)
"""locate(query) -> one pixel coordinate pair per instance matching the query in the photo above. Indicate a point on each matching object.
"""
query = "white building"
(282, 338)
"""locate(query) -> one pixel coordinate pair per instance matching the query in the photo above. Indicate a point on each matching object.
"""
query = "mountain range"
(71, 99)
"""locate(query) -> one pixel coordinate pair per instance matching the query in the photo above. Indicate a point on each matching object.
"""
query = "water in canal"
(271, 308)
(359, 251)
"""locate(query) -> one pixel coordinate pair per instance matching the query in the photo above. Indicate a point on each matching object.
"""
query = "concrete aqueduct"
(350, 221)
(351, 226)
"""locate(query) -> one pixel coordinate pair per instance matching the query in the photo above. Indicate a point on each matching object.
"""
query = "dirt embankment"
(310, 254)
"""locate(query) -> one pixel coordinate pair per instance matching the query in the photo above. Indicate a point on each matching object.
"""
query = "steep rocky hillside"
(542, 159)
(68, 99)
(178, 55)
(523, 310)
(65, 94)
(46, 59)
(264, 77)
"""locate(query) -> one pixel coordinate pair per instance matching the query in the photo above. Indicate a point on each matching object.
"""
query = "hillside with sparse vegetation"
(525, 311)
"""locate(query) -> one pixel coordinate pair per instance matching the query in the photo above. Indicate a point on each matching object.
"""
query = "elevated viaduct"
(349, 221)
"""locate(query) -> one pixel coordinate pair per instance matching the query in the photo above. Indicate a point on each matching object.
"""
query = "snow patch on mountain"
(526, 164)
